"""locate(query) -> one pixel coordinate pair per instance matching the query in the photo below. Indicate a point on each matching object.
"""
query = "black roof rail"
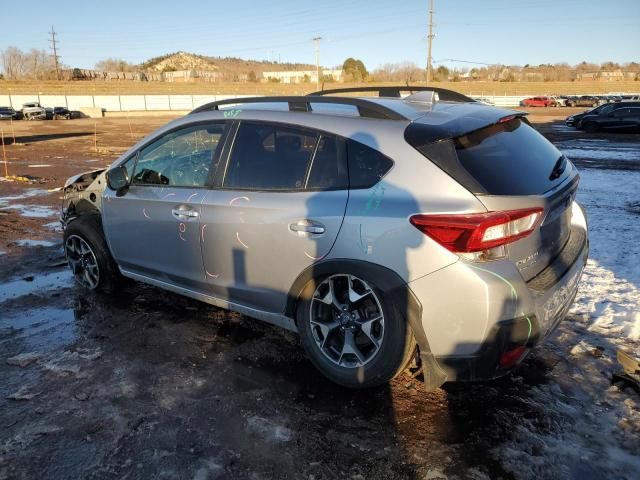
(394, 91)
(365, 108)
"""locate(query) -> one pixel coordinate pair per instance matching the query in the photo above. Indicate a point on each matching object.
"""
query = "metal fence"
(141, 103)
(116, 103)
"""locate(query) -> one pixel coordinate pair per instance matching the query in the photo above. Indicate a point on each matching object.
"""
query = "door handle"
(307, 227)
(184, 213)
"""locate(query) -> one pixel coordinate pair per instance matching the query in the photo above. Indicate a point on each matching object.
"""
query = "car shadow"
(44, 137)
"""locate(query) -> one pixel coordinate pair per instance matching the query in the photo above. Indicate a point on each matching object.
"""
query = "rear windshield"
(511, 158)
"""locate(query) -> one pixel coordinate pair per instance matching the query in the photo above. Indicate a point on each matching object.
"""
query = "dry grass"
(130, 87)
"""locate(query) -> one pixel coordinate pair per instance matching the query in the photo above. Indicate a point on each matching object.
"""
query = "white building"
(299, 76)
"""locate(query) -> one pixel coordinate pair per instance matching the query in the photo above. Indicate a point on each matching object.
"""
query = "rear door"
(153, 228)
(277, 209)
(624, 118)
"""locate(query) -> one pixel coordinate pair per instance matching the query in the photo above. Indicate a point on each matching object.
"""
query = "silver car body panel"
(242, 250)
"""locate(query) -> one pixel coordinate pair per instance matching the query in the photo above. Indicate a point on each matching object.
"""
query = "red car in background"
(537, 102)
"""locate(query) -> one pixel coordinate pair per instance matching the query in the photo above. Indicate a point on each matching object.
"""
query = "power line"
(430, 41)
(54, 47)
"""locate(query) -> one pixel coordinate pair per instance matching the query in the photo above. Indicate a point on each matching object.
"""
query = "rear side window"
(270, 157)
(366, 165)
(510, 158)
(329, 169)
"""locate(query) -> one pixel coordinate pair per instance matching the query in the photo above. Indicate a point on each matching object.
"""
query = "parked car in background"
(631, 98)
(559, 100)
(485, 100)
(537, 102)
(624, 118)
(577, 119)
(7, 113)
(33, 111)
(61, 113)
(610, 98)
(359, 223)
(583, 101)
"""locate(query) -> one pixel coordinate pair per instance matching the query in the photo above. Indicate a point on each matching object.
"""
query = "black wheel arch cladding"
(393, 287)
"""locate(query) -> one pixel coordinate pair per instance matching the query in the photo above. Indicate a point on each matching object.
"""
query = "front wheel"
(88, 255)
(352, 334)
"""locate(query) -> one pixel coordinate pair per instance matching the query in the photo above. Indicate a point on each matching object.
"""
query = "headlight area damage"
(82, 195)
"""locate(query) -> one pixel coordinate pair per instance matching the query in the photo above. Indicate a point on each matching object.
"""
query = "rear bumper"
(494, 311)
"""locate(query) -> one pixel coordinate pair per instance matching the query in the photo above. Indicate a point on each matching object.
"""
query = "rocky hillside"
(191, 61)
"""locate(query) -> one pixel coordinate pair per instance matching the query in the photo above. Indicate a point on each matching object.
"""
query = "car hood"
(82, 177)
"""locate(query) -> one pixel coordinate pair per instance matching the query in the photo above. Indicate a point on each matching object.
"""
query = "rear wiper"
(558, 168)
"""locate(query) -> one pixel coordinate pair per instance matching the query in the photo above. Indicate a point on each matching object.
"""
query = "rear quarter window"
(366, 165)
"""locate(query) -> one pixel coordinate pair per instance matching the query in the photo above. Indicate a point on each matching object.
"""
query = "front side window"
(270, 157)
(182, 158)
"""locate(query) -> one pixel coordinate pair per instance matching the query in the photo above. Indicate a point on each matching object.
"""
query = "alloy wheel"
(82, 261)
(347, 320)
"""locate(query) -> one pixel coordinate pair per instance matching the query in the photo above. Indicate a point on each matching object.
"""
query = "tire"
(376, 363)
(88, 255)
(590, 127)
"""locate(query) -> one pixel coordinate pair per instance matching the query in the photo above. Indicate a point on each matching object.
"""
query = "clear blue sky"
(376, 31)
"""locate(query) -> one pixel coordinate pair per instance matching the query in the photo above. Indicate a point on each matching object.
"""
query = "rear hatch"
(508, 165)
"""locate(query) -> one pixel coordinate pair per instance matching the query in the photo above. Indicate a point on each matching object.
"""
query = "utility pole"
(317, 40)
(54, 47)
(429, 41)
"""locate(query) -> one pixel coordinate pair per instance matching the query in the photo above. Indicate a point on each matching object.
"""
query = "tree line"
(39, 65)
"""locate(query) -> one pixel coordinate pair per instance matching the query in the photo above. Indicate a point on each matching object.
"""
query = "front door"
(278, 210)
(153, 227)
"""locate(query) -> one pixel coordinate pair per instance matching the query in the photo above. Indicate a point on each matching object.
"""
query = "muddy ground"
(148, 384)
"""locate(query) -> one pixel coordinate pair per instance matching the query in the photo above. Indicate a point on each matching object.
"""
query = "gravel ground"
(147, 384)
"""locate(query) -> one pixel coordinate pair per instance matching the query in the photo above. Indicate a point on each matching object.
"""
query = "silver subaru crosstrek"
(384, 230)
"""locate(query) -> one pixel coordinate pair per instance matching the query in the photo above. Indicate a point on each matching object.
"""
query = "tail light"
(467, 233)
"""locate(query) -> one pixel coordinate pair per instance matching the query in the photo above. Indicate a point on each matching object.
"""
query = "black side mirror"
(117, 178)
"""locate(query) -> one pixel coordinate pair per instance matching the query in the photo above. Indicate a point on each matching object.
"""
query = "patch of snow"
(269, 430)
(599, 150)
(564, 129)
(32, 211)
(577, 424)
(27, 193)
(38, 166)
(34, 243)
(55, 226)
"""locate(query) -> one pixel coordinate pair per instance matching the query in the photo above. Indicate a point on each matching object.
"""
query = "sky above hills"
(376, 31)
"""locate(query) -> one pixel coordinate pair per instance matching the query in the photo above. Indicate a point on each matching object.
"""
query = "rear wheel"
(590, 127)
(88, 255)
(351, 333)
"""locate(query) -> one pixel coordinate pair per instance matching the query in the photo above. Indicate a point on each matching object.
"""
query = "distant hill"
(229, 65)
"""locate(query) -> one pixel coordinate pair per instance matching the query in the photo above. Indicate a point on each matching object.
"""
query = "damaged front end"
(82, 195)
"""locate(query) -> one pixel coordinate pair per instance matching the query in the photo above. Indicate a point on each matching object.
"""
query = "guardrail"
(117, 103)
(141, 103)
